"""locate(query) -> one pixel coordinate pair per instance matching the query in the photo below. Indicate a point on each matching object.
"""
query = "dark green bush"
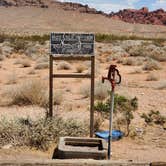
(154, 117)
(122, 106)
(110, 37)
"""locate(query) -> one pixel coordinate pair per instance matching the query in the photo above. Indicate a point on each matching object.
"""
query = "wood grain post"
(92, 96)
(50, 114)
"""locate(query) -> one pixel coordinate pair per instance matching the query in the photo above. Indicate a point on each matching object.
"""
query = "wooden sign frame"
(91, 58)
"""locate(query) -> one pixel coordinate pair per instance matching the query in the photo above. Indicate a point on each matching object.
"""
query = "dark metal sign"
(72, 43)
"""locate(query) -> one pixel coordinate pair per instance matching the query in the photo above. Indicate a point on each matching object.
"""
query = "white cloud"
(159, 4)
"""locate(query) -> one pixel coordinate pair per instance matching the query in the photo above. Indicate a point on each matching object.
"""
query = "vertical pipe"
(50, 114)
(110, 125)
(92, 96)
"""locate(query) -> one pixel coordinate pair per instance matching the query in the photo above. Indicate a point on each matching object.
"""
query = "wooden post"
(50, 114)
(92, 96)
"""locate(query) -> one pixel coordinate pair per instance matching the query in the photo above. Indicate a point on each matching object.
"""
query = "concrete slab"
(81, 148)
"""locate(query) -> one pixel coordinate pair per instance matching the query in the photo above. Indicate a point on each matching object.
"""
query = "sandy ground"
(38, 21)
(150, 147)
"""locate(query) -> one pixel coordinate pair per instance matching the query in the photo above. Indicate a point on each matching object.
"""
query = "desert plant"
(154, 117)
(136, 71)
(42, 66)
(101, 90)
(42, 60)
(32, 92)
(129, 61)
(123, 107)
(64, 66)
(39, 133)
(80, 68)
(152, 77)
(152, 65)
(19, 45)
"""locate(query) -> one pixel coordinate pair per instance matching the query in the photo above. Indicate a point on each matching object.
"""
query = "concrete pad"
(81, 148)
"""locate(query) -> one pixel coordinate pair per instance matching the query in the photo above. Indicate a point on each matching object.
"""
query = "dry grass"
(136, 71)
(129, 61)
(64, 66)
(58, 97)
(42, 60)
(40, 66)
(80, 68)
(39, 134)
(152, 77)
(152, 65)
(32, 92)
(101, 90)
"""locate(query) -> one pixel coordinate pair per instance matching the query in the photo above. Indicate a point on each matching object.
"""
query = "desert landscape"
(138, 50)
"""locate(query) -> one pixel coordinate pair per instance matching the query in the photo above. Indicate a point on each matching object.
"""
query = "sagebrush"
(40, 133)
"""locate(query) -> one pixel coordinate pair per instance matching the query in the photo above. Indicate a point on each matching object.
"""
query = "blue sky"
(116, 5)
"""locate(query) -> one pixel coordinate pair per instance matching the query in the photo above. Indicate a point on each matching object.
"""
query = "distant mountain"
(44, 16)
(142, 16)
(49, 3)
(18, 3)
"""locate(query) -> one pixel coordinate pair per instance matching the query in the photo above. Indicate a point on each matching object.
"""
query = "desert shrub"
(19, 45)
(42, 66)
(39, 133)
(32, 92)
(154, 117)
(123, 110)
(162, 85)
(80, 68)
(152, 77)
(42, 60)
(98, 120)
(101, 90)
(110, 37)
(137, 50)
(158, 54)
(58, 97)
(136, 71)
(131, 61)
(2, 38)
(152, 65)
(64, 66)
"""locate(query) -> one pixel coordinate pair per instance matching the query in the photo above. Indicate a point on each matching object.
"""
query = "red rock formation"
(142, 16)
